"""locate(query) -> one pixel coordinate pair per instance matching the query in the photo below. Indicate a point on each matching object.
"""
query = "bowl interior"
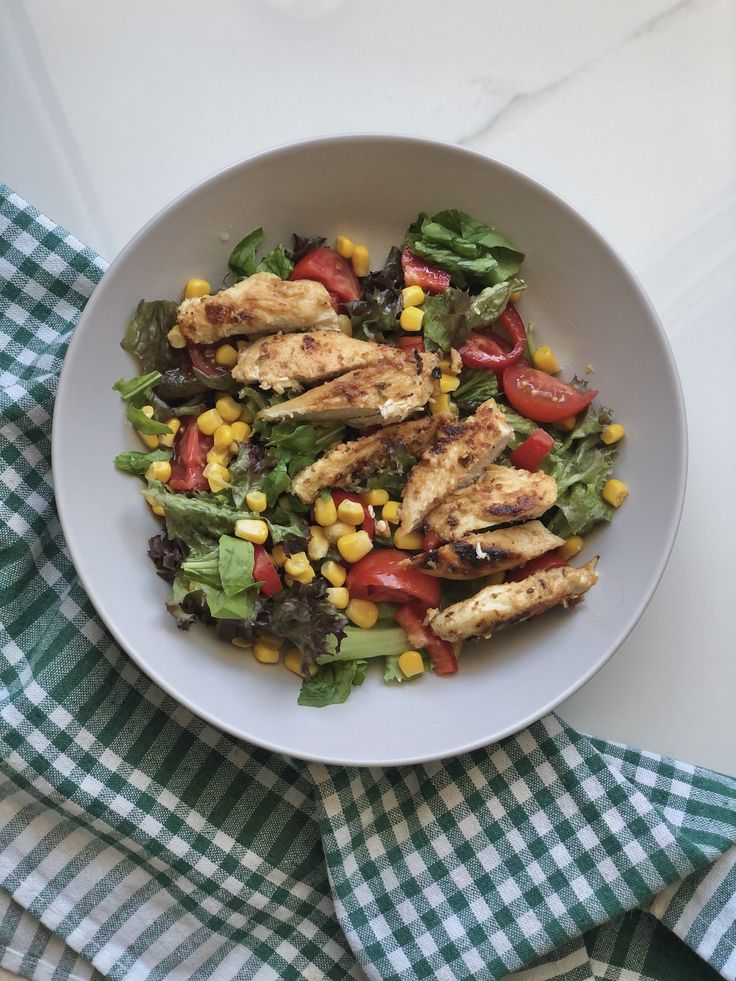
(583, 301)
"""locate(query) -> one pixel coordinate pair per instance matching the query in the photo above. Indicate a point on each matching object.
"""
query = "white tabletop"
(627, 110)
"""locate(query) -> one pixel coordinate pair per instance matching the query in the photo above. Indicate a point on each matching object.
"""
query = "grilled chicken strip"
(387, 391)
(291, 360)
(496, 607)
(489, 552)
(501, 495)
(349, 465)
(460, 453)
(261, 304)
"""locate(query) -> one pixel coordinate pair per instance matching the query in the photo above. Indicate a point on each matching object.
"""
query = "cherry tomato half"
(486, 349)
(407, 343)
(419, 273)
(379, 577)
(529, 454)
(264, 572)
(540, 397)
(190, 457)
(543, 562)
(203, 359)
(327, 267)
(411, 620)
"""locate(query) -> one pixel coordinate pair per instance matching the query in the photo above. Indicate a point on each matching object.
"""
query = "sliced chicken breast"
(349, 465)
(261, 304)
(496, 607)
(501, 495)
(387, 391)
(461, 451)
(489, 552)
(286, 361)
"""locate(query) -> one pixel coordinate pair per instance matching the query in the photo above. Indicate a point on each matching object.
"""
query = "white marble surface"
(626, 109)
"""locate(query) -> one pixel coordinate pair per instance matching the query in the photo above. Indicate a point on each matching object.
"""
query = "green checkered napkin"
(138, 842)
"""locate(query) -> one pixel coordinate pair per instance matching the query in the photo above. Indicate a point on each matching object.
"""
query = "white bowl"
(585, 303)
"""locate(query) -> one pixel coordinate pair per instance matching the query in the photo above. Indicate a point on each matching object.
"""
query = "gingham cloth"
(138, 842)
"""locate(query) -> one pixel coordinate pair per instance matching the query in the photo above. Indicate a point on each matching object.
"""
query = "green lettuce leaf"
(385, 639)
(474, 254)
(242, 259)
(379, 305)
(303, 245)
(198, 520)
(446, 323)
(137, 463)
(476, 386)
(581, 465)
(225, 575)
(235, 563)
(141, 422)
(331, 684)
(392, 477)
(146, 338)
(297, 445)
(139, 386)
(276, 261)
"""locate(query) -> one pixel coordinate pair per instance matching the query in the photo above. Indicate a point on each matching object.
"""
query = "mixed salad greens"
(232, 528)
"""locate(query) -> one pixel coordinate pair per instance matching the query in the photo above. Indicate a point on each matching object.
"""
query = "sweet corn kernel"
(411, 319)
(266, 653)
(411, 663)
(209, 421)
(345, 324)
(351, 512)
(338, 596)
(325, 511)
(572, 546)
(354, 545)
(411, 541)
(176, 338)
(159, 470)
(293, 661)
(226, 356)
(297, 565)
(197, 287)
(278, 555)
(495, 578)
(222, 457)
(412, 296)
(545, 360)
(251, 530)
(362, 613)
(566, 425)
(217, 477)
(256, 501)
(223, 437)
(240, 642)
(361, 260)
(336, 531)
(448, 383)
(441, 405)
(241, 431)
(151, 441)
(228, 408)
(376, 498)
(156, 508)
(391, 512)
(345, 246)
(612, 433)
(457, 647)
(615, 492)
(168, 438)
(318, 546)
(334, 573)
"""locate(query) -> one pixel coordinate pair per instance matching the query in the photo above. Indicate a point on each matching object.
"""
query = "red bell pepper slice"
(529, 454)
(486, 349)
(411, 619)
(543, 562)
(379, 577)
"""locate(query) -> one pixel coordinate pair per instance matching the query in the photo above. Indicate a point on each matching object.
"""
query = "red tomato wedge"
(543, 562)
(379, 577)
(368, 523)
(327, 267)
(410, 618)
(486, 349)
(264, 572)
(529, 454)
(419, 273)
(540, 397)
(407, 343)
(190, 457)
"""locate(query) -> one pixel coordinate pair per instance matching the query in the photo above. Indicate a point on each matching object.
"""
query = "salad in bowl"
(353, 466)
